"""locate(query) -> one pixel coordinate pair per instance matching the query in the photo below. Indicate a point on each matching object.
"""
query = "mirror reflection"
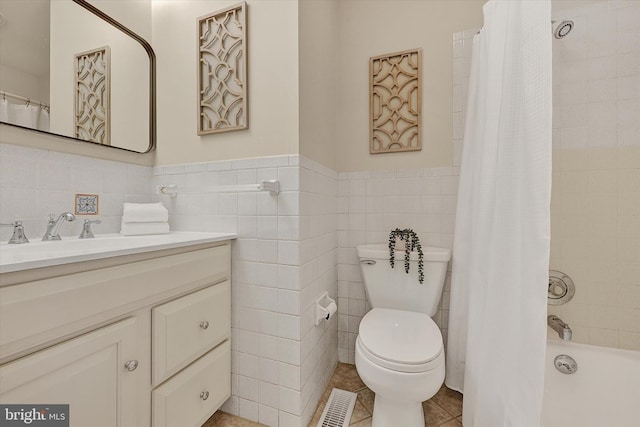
(66, 71)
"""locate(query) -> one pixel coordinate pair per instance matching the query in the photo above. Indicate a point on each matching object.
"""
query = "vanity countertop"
(38, 254)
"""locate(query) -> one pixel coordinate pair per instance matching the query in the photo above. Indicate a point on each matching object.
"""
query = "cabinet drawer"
(193, 395)
(186, 328)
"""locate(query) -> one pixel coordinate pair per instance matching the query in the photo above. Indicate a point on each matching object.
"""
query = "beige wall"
(20, 82)
(308, 78)
(318, 49)
(272, 76)
(369, 28)
(292, 68)
(323, 46)
(133, 14)
(595, 239)
(558, 5)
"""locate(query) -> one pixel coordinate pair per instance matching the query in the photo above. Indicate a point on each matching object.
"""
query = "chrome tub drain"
(565, 364)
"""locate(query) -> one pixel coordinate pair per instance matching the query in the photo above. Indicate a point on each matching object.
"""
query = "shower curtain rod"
(551, 22)
(28, 101)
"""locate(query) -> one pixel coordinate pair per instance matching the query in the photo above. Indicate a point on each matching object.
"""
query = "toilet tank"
(394, 288)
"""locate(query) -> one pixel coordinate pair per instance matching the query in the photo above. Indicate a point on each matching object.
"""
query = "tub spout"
(563, 329)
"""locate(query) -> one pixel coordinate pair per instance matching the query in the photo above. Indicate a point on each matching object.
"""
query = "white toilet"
(399, 350)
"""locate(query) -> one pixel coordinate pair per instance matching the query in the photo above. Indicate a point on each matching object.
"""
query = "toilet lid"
(400, 337)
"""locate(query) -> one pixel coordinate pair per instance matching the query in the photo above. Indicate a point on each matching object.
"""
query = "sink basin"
(39, 254)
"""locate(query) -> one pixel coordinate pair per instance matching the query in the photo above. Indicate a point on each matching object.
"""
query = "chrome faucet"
(18, 233)
(54, 225)
(563, 329)
(87, 233)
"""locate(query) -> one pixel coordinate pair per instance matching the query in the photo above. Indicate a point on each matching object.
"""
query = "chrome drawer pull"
(131, 365)
(204, 325)
(204, 395)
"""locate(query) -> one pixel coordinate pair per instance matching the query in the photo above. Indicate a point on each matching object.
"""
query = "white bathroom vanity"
(129, 331)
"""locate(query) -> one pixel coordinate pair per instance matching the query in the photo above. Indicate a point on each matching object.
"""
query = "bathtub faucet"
(563, 330)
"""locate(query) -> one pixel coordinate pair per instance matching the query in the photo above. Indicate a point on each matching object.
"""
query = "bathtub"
(603, 392)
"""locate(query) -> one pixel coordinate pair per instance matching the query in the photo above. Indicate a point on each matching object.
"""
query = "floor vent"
(337, 412)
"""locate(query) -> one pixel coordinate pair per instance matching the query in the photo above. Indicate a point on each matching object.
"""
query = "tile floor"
(222, 419)
(442, 410)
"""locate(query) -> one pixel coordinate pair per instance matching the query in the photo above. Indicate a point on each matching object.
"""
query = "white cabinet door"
(87, 372)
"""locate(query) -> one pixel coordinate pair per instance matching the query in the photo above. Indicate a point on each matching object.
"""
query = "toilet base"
(399, 395)
(388, 412)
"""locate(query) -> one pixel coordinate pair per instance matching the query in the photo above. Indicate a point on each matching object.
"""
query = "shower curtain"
(22, 114)
(497, 318)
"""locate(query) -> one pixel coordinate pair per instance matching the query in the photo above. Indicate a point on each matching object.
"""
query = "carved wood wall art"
(222, 71)
(92, 95)
(395, 102)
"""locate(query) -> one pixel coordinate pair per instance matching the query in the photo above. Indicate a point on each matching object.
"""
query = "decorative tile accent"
(92, 95)
(395, 102)
(222, 70)
(86, 204)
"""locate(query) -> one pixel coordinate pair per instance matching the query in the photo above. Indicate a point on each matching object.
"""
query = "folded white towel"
(143, 228)
(144, 212)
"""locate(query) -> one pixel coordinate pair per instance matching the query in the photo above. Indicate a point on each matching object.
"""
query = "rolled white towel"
(144, 212)
(143, 228)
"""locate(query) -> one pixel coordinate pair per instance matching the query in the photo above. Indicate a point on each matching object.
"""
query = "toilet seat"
(400, 340)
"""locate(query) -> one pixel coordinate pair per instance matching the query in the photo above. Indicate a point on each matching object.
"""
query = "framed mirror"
(69, 69)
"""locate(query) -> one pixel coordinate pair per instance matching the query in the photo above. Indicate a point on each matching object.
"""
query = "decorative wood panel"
(92, 95)
(395, 102)
(222, 71)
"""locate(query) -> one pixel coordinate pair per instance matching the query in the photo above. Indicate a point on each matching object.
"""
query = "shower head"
(563, 29)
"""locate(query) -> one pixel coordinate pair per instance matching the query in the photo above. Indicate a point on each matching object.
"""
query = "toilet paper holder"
(326, 308)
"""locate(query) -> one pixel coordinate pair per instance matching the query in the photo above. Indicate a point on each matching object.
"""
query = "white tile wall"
(595, 207)
(597, 77)
(34, 183)
(284, 258)
(318, 273)
(596, 178)
(370, 205)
